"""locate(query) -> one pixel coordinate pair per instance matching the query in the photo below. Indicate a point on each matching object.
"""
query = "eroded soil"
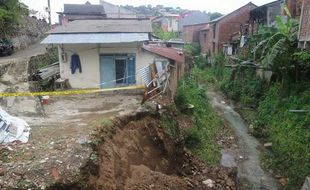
(135, 153)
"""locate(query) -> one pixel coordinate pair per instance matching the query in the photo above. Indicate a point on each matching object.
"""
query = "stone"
(209, 183)
(269, 144)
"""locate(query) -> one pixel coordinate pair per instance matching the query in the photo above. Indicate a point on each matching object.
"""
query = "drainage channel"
(250, 173)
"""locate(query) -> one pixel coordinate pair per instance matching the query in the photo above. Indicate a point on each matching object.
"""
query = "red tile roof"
(169, 53)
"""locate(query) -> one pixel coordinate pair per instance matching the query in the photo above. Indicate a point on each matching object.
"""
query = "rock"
(209, 183)
(2, 171)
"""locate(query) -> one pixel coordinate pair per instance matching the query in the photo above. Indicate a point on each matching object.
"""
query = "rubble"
(13, 128)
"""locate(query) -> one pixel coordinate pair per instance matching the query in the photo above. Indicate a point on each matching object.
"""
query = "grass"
(273, 122)
(200, 137)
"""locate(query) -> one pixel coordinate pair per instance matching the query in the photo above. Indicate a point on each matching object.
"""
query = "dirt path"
(250, 173)
(33, 50)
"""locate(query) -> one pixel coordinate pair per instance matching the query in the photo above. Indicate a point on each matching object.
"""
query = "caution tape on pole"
(68, 92)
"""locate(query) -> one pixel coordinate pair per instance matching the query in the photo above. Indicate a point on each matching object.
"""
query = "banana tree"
(277, 45)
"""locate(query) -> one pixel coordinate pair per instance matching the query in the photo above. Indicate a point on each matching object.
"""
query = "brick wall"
(224, 29)
(190, 33)
(304, 34)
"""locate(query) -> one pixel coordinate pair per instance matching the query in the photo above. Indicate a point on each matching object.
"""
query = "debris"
(209, 182)
(269, 144)
(306, 184)
(55, 174)
(13, 128)
(43, 161)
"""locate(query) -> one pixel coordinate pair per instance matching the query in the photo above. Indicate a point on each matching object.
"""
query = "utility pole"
(49, 12)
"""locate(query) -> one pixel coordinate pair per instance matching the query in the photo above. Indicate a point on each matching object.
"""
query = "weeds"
(200, 137)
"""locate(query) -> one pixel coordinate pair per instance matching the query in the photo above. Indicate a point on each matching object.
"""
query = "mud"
(133, 152)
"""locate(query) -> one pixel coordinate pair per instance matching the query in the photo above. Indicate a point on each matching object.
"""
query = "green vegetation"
(40, 61)
(200, 137)
(192, 49)
(10, 13)
(160, 33)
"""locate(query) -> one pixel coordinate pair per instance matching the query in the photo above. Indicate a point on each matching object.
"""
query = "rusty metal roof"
(169, 53)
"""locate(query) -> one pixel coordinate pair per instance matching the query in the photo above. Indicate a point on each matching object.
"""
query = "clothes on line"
(75, 63)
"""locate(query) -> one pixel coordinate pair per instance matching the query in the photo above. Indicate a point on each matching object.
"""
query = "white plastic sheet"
(13, 128)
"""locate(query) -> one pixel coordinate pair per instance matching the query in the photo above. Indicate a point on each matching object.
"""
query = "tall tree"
(10, 13)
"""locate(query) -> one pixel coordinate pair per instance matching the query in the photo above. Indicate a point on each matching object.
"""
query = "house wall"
(90, 61)
(190, 33)
(194, 17)
(304, 28)
(225, 28)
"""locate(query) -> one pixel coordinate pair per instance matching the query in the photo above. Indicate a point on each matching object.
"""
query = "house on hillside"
(85, 11)
(304, 28)
(217, 35)
(168, 22)
(191, 33)
(266, 14)
(192, 18)
(116, 11)
(107, 53)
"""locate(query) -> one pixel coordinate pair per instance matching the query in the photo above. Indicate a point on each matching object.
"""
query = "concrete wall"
(90, 60)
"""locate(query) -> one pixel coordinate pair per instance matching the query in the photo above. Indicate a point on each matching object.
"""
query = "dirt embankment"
(133, 152)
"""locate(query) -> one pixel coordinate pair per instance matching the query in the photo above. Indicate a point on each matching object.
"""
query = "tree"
(160, 33)
(214, 15)
(276, 47)
(10, 13)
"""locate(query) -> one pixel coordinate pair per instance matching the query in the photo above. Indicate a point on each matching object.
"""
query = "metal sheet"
(95, 38)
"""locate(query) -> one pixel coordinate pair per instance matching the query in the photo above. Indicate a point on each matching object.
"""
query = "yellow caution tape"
(67, 92)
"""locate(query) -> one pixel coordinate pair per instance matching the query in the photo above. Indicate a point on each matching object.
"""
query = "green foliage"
(192, 49)
(214, 15)
(41, 61)
(160, 33)
(10, 12)
(200, 61)
(200, 137)
(276, 47)
(288, 132)
(219, 65)
(170, 125)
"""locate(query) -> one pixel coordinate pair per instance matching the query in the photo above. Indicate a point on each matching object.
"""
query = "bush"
(288, 132)
(193, 49)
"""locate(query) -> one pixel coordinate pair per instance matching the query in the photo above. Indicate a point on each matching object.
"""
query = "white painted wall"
(90, 60)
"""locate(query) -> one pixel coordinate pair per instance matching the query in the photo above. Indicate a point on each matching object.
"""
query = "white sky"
(222, 6)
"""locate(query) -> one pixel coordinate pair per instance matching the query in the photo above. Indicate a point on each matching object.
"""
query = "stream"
(247, 156)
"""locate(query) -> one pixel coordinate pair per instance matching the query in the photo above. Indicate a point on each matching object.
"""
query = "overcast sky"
(222, 6)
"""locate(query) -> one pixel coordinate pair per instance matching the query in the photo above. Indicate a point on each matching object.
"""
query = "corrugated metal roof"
(105, 26)
(95, 38)
(170, 53)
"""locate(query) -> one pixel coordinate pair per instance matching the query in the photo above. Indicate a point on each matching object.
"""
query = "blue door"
(131, 70)
(107, 71)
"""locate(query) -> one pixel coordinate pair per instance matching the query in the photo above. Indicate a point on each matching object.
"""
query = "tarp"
(13, 128)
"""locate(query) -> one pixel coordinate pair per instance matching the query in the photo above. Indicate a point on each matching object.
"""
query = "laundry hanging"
(75, 63)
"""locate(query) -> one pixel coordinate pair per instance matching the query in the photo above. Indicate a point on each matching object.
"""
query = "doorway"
(120, 71)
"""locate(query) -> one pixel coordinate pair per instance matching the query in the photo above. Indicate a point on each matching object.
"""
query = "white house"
(103, 53)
